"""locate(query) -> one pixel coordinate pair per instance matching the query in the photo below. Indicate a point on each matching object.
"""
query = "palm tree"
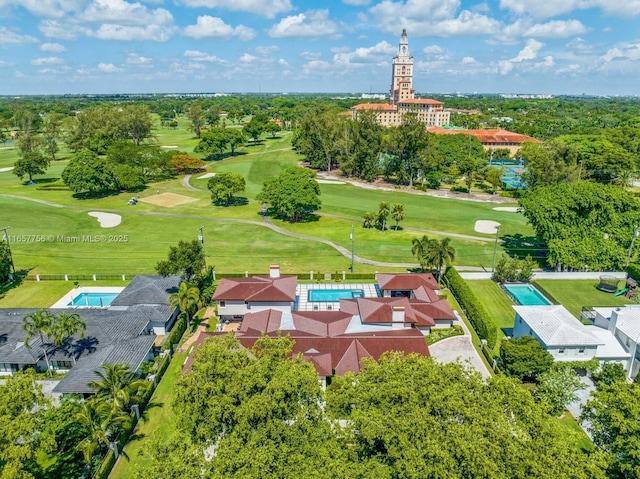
(398, 213)
(383, 214)
(185, 299)
(440, 253)
(119, 384)
(101, 421)
(38, 324)
(65, 326)
(419, 250)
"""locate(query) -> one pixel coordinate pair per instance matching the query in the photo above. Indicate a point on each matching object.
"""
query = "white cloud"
(265, 8)
(548, 62)
(313, 23)
(124, 13)
(579, 44)
(538, 9)
(372, 54)
(52, 48)
(310, 55)
(47, 61)
(8, 37)
(135, 59)
(213, 27)
(197, 56)
(468, 60)
(505, 66)
(556, 29)
(357, 3)
(316, 66)
(529, 52)
(128, 33)
(266, 50)
(64, 31)
(45, 8)
(433, 50)
(628, 52)
(108, 68)
(247, 58)
(283, 62)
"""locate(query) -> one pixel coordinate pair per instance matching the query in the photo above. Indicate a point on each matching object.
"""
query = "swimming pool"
(526, 295)
(333, 295)
(101, 300)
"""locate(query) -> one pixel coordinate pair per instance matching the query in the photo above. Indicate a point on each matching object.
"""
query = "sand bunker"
(170, 147)
(106, 220)
(8, 168)
(206, 175)
(168, 199)
(486, 226)
(510, 209)
(331, 182)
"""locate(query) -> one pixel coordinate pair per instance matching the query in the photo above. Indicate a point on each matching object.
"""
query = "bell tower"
(402, 72)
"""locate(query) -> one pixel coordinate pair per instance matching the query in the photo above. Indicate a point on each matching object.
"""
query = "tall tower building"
(401, 73)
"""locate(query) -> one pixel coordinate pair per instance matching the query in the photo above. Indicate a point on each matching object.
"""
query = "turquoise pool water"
(333, 295)
(526, 295)
(93, 299)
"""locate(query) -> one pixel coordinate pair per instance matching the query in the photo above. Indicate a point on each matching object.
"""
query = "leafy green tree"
(384, 210)
(272, 128)
(6, 262)
(224, 186)
(612, 416)
(494, 177)
(556, 388)
(186, 299)
(39, 324)
(469, 168)
(419, 249)
(197, 119)
(549, 163)
(319, 138)
(128, 178)
(212, 114)
(186, 259)
(102, 423)
(398, 213)
(410, 147)
(524, 358)
(88, 172)
(137, 122)
(31, 163)
(369, 220)
(608, 374)
(293, 193)
(51, 132)
(256, 126)
(118, 386)
(440, 254)
(236, 138)
(214, 140)
(181, 461)
(19, 439)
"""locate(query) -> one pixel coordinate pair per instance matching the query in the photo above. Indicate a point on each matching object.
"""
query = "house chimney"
(274, 271)
(397, 316)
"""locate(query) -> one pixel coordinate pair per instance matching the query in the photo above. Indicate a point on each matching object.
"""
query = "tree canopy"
(224, 186)
(186, 259)
(524, 358)
(292, 194)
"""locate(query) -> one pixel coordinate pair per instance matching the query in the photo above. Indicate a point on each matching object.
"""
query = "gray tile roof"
(147, 290)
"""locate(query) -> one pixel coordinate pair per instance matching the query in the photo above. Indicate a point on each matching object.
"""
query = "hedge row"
(634, 271)
(478, 316)
(176, 333)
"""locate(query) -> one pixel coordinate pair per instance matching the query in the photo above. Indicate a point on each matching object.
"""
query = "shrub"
(176, 333)
(634, 271)
(478, 316)
(514, 269)
(439, 334)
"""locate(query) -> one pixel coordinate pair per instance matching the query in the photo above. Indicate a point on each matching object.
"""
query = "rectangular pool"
(333, 295)
(100, 300)
(526, 295)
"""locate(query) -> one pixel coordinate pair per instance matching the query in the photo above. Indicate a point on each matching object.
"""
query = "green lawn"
(42, 294)
(575, 294)
(575, 433)
(158, 422)
(497, 304)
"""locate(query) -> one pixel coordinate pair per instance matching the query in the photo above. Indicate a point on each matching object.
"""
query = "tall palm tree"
(101, 421)
(398, 213)
(440, 253)
(65, 326)
(419, 250)
(383, 213)
(119, 384)
(185, 299)
(39, 324)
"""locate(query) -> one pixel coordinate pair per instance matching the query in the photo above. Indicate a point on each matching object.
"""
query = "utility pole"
(201, 235)
(353, 239)
(6, 238)
(495, 250)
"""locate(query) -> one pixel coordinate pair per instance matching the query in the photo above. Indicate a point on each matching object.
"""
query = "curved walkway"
(187, 185)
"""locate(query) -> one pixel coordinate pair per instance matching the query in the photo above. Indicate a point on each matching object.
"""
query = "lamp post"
(580, 171)
(353, 239)
(6, 238)
(495, 250)
(636, 233)
(201, 235)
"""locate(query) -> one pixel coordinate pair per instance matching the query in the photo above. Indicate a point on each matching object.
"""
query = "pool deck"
(68, 297)
(302, 293)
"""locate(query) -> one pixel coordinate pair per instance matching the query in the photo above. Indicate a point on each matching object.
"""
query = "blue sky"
(509, 46)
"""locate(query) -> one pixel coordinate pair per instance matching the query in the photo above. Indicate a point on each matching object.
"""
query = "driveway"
(459, 348)
(575, 407)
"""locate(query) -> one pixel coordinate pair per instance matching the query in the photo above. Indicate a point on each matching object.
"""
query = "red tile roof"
(257, 288)
(406, 281)
(374, 106)
(487, 137)
(421, 101)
